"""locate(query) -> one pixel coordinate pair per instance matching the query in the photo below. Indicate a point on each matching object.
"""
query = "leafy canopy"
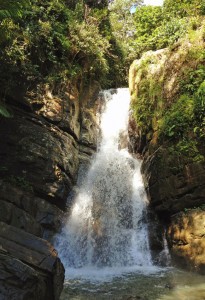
(53, 42)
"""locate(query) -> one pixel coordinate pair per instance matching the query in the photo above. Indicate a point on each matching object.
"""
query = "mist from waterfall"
(106, 228)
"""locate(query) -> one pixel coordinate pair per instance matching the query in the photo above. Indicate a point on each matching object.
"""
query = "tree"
(122, 19)
(12, 8)
(97, 4)
(49, 42)
(147, 19)
(122, 24)
(184, 8)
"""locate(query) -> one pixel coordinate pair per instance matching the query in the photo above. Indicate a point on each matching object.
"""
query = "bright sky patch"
(153, 2)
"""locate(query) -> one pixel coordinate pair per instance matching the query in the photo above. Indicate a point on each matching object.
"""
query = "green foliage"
(186, 117)
(189, 149)
(175, 119)
(185, 151)
(193, 79)
(169, 32)
(184, 125)
(160, 27)
(87, 43)
(179, 118)
(154, 30)
(194, 85)
(168, 98)
(123, 28)
(52, 42)
(100, 4)
(12, 8)
(147, 105)
(184, 8)
(147, 19)
(152, 27)
(57, 42)
(199, 111)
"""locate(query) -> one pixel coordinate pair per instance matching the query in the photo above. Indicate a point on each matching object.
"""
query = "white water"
(106, 232)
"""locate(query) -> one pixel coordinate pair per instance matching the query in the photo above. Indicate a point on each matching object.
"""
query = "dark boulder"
(29, 265)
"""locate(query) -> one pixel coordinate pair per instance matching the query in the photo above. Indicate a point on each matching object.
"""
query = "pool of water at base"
(157, 284)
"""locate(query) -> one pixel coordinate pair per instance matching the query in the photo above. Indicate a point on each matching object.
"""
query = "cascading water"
(107, 223)
(104, 244)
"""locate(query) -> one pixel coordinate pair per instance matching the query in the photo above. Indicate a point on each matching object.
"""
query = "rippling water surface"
(150, 284)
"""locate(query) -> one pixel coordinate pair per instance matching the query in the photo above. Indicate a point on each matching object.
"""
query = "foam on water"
(106, 274)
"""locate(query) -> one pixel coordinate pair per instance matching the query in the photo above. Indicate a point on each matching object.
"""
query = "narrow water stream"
(104, 245)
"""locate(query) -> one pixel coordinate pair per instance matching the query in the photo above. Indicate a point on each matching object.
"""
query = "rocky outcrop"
(172, 188)
(30, 268)
(163, 130)
(25, 211)
(90, 102)
(38, 156)
(186, 234)
(41, 148)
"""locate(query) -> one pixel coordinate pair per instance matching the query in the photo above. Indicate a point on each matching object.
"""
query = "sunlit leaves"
(51, 41)
(184, 8)
(13, 8)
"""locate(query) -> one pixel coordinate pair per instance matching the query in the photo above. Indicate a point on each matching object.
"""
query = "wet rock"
(14, 216)
(40, 150)
(186, 235)
(171, 189)
(155, 232)
(137, 141)
(89, 129)
(29, 264)
(25, 211)
(61, 110)
(39, 166)
(19, 281)
(39, 157)
(89, 124)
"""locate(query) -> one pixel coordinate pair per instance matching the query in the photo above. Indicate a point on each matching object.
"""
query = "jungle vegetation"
(68, 41)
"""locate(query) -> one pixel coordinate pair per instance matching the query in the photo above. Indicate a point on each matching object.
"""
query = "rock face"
(38, 156)
(171, 189)
(173, 159)
(30, 268)
(41, 148)
(186, 236)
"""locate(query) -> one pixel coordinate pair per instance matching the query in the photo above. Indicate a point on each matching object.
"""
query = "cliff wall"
(167, 128)
(42, 144)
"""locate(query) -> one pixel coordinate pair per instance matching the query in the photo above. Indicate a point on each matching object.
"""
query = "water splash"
(164, 258)
(107, 224)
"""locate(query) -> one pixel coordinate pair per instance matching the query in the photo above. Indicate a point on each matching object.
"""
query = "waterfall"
(107, 227)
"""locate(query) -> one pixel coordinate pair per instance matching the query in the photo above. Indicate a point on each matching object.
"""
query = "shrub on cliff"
(55, 43)
(160, 27)
(184, 8)
(168, 88)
